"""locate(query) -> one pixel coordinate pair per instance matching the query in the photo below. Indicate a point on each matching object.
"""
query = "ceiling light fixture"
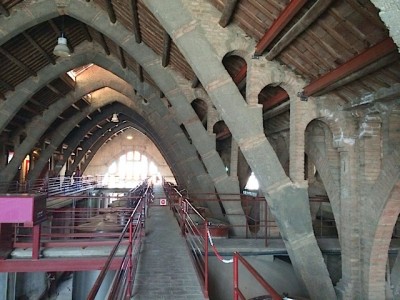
(114, 118)
(61, 49)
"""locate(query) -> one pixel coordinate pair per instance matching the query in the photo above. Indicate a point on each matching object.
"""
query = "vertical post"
(235, 277)
(246, 219)
(266, 223)
(183, 217)
(35, 241)
(130, 264)
(206, 259)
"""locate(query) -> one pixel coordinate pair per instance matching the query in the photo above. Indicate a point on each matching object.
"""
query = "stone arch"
(249, 135)
(94, 16)
(121, 152)
(100, 99)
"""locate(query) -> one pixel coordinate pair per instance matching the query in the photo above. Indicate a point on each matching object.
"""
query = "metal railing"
(195, 228)
(237, 293)
(259, 223)
(121, 287)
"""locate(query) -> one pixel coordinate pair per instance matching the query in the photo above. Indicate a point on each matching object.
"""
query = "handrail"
(198, 242)
(139, 207)
(236, 291)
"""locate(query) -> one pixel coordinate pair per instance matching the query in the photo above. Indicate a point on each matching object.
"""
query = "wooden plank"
(227, 13)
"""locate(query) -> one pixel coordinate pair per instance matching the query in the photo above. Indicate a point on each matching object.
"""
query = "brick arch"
(375, 279)
(383, 202)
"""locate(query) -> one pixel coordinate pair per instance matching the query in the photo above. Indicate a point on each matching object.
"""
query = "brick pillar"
(370, 140)
(298, 113)
(349, 286)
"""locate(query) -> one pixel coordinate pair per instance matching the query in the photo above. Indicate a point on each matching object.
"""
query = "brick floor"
(165, 270)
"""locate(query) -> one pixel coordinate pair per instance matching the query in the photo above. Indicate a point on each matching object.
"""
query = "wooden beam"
(27, 108)
(280, 97)
(54, 90)
(195, 82)
(17, 62)
(104, 44)
(34, 101)
(122, 57)
(227, 13)
(86, 31)
(240, 75)
(309, 17)
(110, 11)
(7, 85)
(166, 49)
(278, 25)
(38, 48)
(140, 73)
(358, 62)
(4, 11)
(135, 21)
(380, 63)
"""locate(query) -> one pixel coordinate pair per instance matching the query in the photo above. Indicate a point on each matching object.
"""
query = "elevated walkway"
(165, 269)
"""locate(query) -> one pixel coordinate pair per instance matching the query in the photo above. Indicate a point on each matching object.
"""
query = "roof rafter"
(166, 49)
(305, 21)
(6, 85)
(140, 73)
(122, 57)
(37, 47)
(195, 82)
(54, 90)
(378, 64)
(104, 44)
(227, 13)
(355, 64)
(135, 21)
(4, 11)
(278, 25)
(110, 11)
(276, 99)
(17, 62)
(86, 31)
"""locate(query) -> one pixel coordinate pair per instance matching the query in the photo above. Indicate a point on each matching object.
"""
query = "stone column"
(234, 159)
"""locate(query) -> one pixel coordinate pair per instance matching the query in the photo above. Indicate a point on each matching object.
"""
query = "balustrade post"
(206, 259)
(36, 241)
(130, 264)
(235, 277)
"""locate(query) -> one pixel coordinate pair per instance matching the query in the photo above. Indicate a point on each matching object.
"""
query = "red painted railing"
(124, 278)
(237, 294)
